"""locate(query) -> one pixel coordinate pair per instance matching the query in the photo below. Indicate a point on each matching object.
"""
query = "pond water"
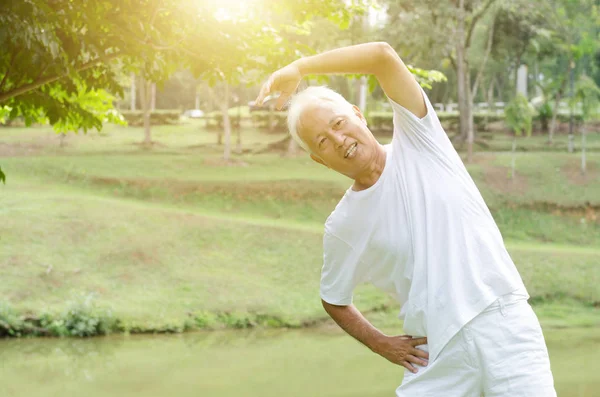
(278, 363)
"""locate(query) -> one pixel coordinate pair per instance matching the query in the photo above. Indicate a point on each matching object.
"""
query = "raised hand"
(285, 80)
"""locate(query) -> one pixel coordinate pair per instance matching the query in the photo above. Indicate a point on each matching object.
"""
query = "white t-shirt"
(423, 233)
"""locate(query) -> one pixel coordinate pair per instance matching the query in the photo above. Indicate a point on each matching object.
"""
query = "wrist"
(378, 342)
(300, 65)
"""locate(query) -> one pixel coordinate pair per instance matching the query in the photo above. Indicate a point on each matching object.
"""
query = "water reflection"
(233, 363)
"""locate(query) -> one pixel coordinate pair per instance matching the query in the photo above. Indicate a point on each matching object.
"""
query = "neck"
(371, 174)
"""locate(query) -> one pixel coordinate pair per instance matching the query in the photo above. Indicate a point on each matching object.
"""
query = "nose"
(337, 139)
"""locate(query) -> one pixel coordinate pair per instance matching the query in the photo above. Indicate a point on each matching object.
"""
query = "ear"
(318, 160)
(358, 114)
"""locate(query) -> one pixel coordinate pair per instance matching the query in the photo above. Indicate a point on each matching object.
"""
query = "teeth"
(351, 150)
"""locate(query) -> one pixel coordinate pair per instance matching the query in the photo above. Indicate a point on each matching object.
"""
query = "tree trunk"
(514, 157)
(571, 83)
(132, 91)
(153, 97)
(583, 157)
(488, 50)
(362, 95)
(226, 121)
(490, 94)
(463, 89)
(145, 99)
(469, 109)
(557, 99)
(552, 128)
(238, 126)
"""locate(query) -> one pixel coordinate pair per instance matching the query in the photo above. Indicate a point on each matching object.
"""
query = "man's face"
(337, 139)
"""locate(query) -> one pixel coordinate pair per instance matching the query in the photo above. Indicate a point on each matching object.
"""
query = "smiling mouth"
(351, 150)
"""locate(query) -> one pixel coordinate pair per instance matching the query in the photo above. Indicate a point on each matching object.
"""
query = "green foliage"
(158, 117)
(519, 115)
(11, 324)
(587, 95)
(2, 176)
(427, 78)
(82, 318)
(261, 119)
(55, 62)
(544, 114)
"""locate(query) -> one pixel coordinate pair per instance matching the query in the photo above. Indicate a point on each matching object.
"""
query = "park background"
(144, 193)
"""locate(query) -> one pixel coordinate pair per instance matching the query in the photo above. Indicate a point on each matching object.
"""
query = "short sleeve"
(423, 134)
(342, 271)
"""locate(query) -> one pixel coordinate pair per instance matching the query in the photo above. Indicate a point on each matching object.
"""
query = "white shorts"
(501, 352)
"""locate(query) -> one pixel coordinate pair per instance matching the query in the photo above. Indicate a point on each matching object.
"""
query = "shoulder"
(339, 217)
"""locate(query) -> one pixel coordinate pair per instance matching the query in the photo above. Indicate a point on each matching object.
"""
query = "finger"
(406, 336)
(420, 353)
(409, 367)
(265, 90)
(416, 360)
(282, 100)
(418, 341)
(261, 95)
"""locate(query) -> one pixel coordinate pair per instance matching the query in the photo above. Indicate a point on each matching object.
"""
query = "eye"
(339, 123)
(322, 140)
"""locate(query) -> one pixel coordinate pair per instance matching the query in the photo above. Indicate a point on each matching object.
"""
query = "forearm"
(356, 325)
(357, 59)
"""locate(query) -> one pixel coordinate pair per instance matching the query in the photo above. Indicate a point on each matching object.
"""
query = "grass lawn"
(172, 238)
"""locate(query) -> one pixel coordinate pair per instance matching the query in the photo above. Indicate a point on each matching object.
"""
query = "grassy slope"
(201, 238)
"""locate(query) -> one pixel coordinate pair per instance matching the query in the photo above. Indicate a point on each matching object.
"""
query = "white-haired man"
(415, 225)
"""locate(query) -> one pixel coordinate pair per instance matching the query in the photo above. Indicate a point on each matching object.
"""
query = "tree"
(587, 96)
(432, 30)
(519, 115)
(56, 52)
(573, 42)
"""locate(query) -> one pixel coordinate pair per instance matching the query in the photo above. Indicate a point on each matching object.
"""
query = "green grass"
(155, 266)
(172, 236)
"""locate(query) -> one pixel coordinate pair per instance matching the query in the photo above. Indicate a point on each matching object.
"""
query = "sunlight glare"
(232, 10)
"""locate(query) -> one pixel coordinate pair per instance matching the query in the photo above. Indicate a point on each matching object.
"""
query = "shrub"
(260, 119)
(519, 115)
(81, 318)
(158, 117)
(11, 324)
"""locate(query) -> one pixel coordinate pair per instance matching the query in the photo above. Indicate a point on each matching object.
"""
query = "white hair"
(321, 95)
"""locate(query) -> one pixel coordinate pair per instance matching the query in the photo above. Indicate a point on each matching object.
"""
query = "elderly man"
(414, 225)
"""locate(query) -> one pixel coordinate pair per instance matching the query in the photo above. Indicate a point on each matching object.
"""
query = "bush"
(82, 318)
(11, 324)
(519, 115)
(383, 121)
(215, 120)
(158, 117)
(260, 119)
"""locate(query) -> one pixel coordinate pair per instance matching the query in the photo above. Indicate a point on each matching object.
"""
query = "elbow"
(386, 55)
(385, 51)
(327, 307)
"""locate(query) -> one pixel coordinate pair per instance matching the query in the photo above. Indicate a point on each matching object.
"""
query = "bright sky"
(232, 9)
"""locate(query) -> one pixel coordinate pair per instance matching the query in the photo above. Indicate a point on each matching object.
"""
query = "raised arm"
(400, 350)
(378, 59)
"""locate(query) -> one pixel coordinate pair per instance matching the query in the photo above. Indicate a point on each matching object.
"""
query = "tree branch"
(50, 79)
(12, 60)
(476, 17)
(452, 62)
(488, 50)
